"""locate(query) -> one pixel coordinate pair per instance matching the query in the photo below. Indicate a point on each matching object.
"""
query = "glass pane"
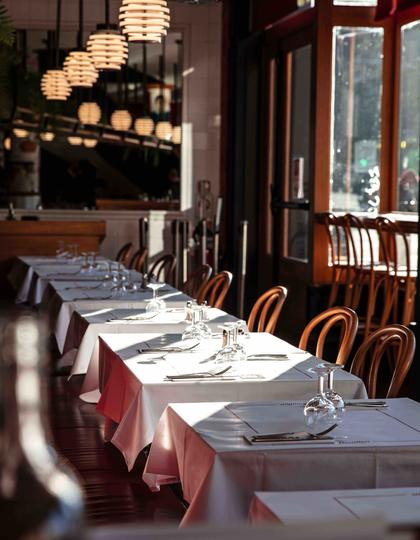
(355, 3)
(409, 119)
(297, 234)
(300, 124)
(356, 119)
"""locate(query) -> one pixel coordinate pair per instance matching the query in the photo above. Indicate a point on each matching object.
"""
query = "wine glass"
(330, 393)
(94, 264)
(319, 411)
(202, 326)
(86, 264)
(60, 251)
(155, 305)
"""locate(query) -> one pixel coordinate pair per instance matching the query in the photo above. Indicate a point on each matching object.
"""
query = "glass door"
(293, 178)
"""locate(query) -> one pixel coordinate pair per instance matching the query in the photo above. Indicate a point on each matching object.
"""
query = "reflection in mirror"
(78, 153)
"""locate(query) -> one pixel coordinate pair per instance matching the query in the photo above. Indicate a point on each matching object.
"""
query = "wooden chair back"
(331, 317)
(196, 280)
(138, 260)
(163, 268)
(123, 255)
(393, 341)
(215, 290)
(266, 310)
(339, 254)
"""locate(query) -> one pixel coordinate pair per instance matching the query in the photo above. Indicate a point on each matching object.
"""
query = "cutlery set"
(291, 436)
(215, 374)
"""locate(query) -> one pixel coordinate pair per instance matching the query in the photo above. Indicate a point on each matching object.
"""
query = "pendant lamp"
(163, 128)
(177, 135)
(121, 120)
(54, 85)
(144, 125)
(144, 20)
(7, 143)
(47, 136)
(163, 131)
(89, 113)
(74, 140)
(78, 66)
(90, 143)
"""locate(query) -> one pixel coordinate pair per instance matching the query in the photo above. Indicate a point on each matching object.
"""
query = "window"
(356, 118)
(409, 119)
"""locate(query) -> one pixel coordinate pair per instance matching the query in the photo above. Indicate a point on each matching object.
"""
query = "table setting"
(139, 375)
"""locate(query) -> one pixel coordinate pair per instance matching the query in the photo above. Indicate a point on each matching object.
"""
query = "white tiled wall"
(201, 26)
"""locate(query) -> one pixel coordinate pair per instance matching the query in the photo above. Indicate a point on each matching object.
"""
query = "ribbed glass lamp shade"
(164, 131)
(54, 85)
(90, 143)
(108, 49)
(177, 135)
(121, 120)
(144, 126)
(47, 136)
(89, 113)
(144, 20)
(74, 140)
(80, 70)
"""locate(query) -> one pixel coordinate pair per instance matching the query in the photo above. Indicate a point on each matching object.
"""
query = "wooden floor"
(112, 494)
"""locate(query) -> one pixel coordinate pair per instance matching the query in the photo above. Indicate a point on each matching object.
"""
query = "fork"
(299, 435)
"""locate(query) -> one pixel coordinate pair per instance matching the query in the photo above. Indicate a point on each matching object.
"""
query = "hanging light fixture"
(20, 132)
(90, 143)
(163, 128)
(89, 113)
(54, 84)
(144, 125)
(74, 140)
(47, 136)
(121, 120)
(163, 131)
(144, 20)
(78, 66)
(7, 143)
(108, 49)
(177, 135)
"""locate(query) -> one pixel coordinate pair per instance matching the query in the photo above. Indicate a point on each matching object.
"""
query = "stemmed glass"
(319, 411)
(86, 264)
(60, 251)
(155, 305)
(94, 264)
(330, 393)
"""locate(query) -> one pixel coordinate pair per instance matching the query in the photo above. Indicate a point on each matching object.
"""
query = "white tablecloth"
(62, 299)
(203, 446)
(82, 347)
(400, 507)
(135, 393)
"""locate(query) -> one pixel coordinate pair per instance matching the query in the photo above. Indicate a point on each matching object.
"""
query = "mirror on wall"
(106, 165)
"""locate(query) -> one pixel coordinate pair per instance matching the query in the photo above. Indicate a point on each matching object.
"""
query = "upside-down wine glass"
(155, 305)
(319, 411)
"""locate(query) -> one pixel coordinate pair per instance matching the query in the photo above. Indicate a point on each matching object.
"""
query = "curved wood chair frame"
(196, 280)
(123, 255)
(266, 310)
(216, 289)
(330, 317)
(401, 344)
(138, 260)
(164, 267)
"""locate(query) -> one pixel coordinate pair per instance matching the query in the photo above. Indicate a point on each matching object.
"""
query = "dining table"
(81, 347)
(399, 507)
(137, 384)
(215, 452)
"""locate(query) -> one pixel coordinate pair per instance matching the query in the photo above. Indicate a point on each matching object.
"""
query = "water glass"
(155, 305)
